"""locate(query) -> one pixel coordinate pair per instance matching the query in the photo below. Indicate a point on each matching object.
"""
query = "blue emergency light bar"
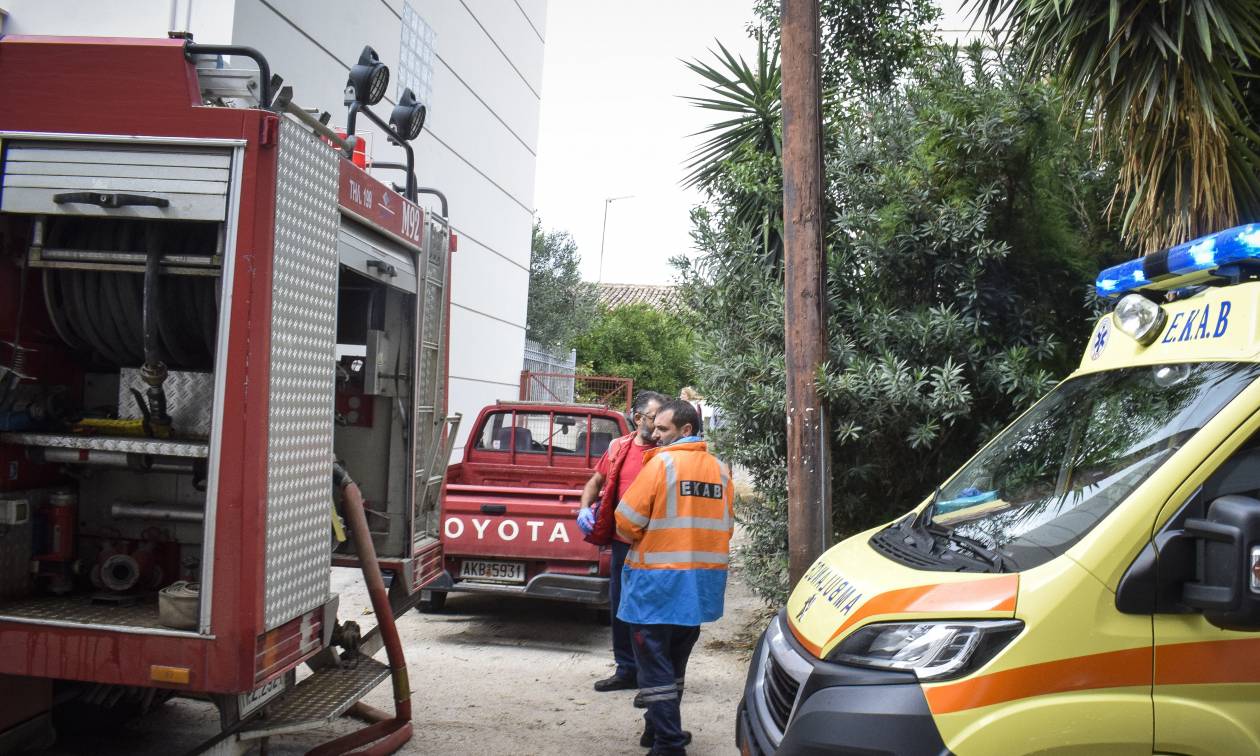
(1207, 253)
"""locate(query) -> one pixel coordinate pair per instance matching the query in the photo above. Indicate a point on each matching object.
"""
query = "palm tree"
(750, 97)
(1173, 87)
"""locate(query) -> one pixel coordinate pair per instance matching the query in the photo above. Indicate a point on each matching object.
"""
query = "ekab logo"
(1100, 339)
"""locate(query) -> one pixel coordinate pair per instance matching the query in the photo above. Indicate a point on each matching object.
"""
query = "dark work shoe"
(615, 683)
(648, 739)
(639, 703)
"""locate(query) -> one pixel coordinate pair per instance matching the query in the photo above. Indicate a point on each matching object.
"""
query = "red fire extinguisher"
(59, 520)
(60, 515)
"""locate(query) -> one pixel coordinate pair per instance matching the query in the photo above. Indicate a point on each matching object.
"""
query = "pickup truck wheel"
(432, 601)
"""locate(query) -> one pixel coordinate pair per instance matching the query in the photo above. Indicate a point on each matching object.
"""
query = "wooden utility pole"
(808, 432)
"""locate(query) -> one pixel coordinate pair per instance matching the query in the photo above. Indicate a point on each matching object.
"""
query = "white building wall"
(479, 144)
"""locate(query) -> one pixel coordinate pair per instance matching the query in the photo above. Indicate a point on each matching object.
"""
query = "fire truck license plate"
(492, 572)
(247, 703)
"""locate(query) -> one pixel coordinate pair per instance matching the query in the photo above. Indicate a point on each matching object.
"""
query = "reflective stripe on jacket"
(677, 517)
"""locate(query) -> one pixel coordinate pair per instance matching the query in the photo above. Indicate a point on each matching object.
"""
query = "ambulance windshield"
(1062, 467)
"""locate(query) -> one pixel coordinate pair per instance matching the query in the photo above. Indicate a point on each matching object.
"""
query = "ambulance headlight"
(932, 650)
(1140, 318)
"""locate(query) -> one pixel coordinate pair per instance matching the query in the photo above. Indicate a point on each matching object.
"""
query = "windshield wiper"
(916, 528)
(994, 557)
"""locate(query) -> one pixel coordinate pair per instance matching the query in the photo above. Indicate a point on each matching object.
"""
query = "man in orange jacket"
(614, 473)
(678, 518)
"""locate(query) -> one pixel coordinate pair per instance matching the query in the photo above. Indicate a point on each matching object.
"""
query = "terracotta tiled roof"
(614, 295)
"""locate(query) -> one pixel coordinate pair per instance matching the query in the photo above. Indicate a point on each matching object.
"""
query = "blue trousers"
(623, 652)
(662, 652)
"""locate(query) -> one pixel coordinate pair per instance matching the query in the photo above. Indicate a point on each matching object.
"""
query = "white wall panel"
(483, 281)
(211, 22)
(537, 12)
(511, 30)
(471, 130)
(483, 343)
(478, 207)
(465, 48)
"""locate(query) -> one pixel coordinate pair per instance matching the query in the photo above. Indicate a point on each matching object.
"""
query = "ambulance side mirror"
(1226, 586)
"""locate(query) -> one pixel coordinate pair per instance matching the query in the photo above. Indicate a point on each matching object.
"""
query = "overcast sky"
(613, 123)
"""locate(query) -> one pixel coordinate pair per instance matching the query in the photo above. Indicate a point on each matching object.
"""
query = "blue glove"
(586, 520)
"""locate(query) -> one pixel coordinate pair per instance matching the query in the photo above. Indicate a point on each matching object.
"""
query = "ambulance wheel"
(432, 601)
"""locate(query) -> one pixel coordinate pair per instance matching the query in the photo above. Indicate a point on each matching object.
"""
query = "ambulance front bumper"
(797, 705)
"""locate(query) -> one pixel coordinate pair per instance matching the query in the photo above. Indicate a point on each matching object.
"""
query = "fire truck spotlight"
(368, 79)
(408, 116)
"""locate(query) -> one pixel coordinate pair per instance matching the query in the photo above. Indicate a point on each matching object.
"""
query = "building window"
(416, 54)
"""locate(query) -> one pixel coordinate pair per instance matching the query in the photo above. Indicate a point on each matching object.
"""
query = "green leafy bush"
(561, 305)
(640, 342)
(963, 234)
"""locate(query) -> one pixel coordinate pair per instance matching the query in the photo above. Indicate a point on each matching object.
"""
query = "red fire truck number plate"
(250, 702)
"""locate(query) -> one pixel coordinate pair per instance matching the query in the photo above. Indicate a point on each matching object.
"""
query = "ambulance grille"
(781, 691)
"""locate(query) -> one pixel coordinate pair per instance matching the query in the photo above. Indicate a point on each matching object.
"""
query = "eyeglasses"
(646, 416)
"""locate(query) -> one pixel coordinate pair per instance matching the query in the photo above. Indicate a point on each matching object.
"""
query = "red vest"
(605, 522)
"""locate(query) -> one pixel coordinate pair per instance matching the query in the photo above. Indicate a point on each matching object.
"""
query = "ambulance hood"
(852, 585)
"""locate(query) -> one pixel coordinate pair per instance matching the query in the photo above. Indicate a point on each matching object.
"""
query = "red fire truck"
(211, 318)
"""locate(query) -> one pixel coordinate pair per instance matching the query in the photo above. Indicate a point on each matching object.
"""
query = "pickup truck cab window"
(561, 433)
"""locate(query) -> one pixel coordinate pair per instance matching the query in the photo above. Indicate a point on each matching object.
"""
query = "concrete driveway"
(500, 676)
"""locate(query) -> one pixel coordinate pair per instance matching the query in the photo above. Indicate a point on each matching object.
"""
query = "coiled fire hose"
(387, 735)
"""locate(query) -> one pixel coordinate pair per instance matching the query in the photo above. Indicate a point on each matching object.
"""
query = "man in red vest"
(614, 473)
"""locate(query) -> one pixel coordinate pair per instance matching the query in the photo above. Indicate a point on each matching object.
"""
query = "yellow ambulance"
(1088, 583)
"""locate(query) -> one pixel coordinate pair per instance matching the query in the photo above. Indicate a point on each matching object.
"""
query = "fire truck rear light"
(454, 243)
(368, 79)
(173, 675)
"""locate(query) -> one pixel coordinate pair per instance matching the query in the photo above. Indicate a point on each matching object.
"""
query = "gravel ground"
(500, 676)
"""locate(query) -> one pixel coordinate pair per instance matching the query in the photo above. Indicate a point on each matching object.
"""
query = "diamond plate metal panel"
(189, 399)
(81, 610)
(157, 447)
(320, 698)
(300, 414)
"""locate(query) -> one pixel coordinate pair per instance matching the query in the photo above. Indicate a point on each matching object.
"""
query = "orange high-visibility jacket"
(677, 517)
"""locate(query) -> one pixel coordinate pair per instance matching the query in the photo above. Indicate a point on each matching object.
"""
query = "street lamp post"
(602, 234)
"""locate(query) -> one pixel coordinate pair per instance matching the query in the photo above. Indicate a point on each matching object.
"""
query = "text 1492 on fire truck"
(203, 301)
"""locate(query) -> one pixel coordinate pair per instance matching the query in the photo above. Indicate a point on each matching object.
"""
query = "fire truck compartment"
(111, 311)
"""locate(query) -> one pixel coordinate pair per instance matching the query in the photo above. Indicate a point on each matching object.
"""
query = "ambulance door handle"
(109, 199)
(493, 508)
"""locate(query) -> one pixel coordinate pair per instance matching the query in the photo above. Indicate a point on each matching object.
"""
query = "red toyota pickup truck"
(509, 508)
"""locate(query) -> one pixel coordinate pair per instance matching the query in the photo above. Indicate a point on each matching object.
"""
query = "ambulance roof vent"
(1222, 255)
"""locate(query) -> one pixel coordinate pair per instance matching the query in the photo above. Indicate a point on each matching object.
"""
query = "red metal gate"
(569, 387)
